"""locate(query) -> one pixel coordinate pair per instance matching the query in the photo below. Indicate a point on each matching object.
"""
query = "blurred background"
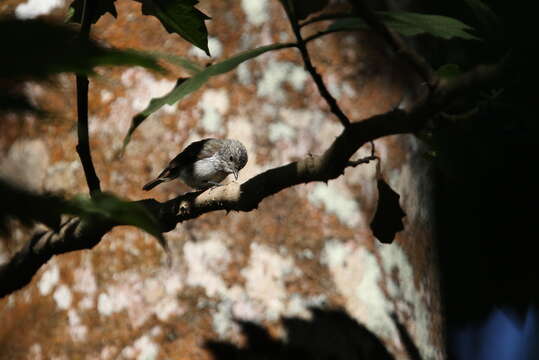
(459, 281)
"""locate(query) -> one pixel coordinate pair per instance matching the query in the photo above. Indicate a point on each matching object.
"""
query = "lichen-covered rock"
(307, 246)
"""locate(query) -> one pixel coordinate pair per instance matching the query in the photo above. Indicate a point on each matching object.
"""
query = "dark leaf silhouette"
(412, 24)
(38, 49)
(117, 210)
(16, 102)
(330, 334)
(304, 8)
(28, 207)
(180, 17)
(387, 220)
(101, 8)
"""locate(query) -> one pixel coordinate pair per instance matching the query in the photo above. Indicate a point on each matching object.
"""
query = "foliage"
(101, 7)
(37, 49)
(412, 24)
(181, 17)
(45, 209)
(181, 61)
(177, 16)
(406, 23)
(185, 87)
(449, 71)
(115, 210)
(12, 102)
(30, 207)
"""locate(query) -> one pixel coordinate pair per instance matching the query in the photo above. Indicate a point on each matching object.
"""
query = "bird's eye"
(232, 158)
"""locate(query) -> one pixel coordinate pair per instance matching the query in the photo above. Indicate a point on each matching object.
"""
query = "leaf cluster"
(412, 24)
(405, 23)
(30, 207)
(38, 49)
(176, 16)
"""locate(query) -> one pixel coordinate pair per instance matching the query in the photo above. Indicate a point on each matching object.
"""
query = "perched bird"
(204, 164)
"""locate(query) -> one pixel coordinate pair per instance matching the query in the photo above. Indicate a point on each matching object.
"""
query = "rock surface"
(308, 246)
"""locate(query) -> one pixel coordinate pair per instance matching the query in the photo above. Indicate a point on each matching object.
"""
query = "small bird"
(204, 164)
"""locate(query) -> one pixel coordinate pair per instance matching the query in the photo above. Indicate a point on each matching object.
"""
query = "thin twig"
(322, 33)
(365, 160)
(325, 17)
(324, 92)
(396, 43)
(83, 147)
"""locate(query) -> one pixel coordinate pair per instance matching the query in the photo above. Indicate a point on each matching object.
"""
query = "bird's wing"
(195, 151)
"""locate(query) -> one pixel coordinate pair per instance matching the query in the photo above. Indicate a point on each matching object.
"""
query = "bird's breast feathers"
(202, 171)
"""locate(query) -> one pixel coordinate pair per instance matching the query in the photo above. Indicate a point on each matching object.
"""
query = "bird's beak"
(236, 174)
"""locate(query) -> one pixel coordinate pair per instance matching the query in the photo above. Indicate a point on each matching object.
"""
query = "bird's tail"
(152, 184)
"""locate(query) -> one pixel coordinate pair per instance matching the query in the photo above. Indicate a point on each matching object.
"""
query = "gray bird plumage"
(204, 163)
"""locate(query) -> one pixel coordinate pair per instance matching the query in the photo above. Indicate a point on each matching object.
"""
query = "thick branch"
(83, 147)
(324, 92)
(73, 235)
(77, 234)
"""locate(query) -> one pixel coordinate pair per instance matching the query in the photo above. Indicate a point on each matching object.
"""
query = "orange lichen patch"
(19, 316)
(17, 126)
(8, 6)
(395, 146)
(421, 252)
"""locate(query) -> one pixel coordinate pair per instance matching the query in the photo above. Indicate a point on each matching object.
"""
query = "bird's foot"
(210, 185)
(214, 184)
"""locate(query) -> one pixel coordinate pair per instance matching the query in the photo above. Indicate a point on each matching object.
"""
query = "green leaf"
(185, 87)
(185, 63)
(35, 48)
(449, 71)
(411, 24)
(116, 210)
(180, 17)
(30, 207)
(101, 8)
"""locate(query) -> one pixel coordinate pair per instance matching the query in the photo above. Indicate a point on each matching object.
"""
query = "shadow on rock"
(330, 334)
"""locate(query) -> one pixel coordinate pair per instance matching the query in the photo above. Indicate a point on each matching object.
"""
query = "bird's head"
(235, 157)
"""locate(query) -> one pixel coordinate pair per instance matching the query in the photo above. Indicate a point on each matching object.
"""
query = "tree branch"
(364, 160)
(302, 46)
(73, 235)
(83, 147)
(77, 234)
